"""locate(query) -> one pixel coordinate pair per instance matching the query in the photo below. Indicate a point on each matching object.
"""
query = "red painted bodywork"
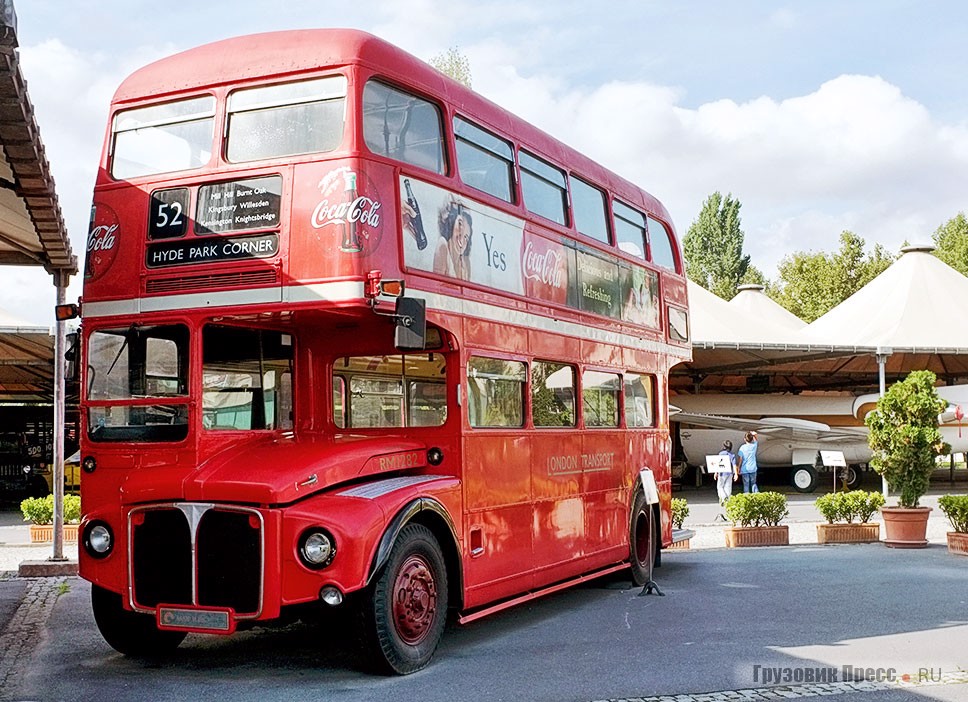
(515, 524)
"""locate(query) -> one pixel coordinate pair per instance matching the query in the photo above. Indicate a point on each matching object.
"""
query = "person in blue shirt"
(746, 455)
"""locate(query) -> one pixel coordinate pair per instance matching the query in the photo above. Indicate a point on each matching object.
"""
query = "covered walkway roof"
(32, 231)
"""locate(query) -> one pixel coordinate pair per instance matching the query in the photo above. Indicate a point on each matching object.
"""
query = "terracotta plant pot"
(737, 536)
(848, 533)
(905, 527)
(958, 543)
(678, 546)
(44, 533)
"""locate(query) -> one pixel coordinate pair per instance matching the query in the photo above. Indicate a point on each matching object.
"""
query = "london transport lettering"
(585, 463)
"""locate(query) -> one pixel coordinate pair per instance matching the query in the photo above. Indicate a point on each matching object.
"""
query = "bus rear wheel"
(643, 540)
(406, 610)
(130, 633)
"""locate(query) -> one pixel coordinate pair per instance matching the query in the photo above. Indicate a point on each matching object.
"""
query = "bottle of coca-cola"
(351, 238)
(417, 223)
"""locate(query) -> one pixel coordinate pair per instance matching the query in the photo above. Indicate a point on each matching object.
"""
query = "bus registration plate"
(215, 621)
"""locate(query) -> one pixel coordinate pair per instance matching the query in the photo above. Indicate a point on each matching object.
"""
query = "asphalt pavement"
(729, 615)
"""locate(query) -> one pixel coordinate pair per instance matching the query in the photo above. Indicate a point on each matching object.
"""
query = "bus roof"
(289, 53)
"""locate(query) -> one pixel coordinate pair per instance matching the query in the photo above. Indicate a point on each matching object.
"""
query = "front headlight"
(316, 548)
(98, 540)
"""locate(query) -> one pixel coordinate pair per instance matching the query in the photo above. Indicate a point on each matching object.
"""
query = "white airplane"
(794, 442)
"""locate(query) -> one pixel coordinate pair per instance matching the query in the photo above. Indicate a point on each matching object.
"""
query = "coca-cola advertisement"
(102, 241)
(348, 213)
(545, 265)
(456, 237)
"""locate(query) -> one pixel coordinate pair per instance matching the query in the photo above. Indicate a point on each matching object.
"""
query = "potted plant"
(755, 518)
(955, 508)
(39, 511)
(680, 510)
(904, 439)
(848, 516)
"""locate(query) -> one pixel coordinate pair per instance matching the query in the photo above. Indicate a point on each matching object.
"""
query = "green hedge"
(680, 510)
(858, 505)
(40, 510)
(955, 508)
(756, 508)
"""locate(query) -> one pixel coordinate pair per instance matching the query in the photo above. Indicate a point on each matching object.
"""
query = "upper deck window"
(544, 188)
(403, 127)
(485, 162)
(660, 245)
(172, 137)
(588, 204)
(286, 120)
(630, 230)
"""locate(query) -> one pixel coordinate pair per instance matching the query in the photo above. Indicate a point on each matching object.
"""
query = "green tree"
(951, 243)
(454, 64)
(811, 284)
(713, 248)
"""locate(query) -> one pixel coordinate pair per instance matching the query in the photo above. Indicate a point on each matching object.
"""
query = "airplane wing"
(780, 428)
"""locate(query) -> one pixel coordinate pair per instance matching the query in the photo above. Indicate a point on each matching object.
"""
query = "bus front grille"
(225, 572)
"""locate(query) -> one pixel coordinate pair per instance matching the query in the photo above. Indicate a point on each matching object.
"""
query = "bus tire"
(130, 633)
(406, 607)
(804, 478)
(642, 539)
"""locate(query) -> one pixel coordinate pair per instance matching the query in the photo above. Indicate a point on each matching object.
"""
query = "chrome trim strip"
(379, 488)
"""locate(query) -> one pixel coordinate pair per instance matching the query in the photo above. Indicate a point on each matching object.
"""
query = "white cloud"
(854, 154)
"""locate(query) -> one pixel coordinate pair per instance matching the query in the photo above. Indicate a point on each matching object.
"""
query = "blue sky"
(819, 116)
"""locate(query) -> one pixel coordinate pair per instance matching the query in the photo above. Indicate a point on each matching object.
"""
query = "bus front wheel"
(643, 540)
(406, 610)
(130, 633)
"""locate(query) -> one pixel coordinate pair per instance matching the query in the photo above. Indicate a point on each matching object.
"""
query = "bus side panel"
(559, 508)
(607, 482)
(497, 518)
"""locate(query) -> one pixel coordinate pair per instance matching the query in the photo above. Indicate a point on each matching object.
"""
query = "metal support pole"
(882, 355)
(60, 281)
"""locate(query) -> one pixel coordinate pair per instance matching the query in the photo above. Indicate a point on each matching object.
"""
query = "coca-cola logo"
(102, 241)
(548, 267)
(346, 206)
(363, 209)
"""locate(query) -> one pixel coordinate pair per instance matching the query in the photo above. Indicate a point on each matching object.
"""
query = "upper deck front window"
(172, 137)
(286, 120)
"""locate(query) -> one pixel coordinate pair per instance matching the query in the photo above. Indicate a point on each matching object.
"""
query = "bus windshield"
(138, 363)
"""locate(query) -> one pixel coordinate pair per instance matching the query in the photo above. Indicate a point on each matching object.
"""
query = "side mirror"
(411, 330)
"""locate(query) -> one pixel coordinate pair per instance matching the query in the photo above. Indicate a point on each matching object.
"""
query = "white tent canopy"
(917, 304)
(912, 313)
(756, 304)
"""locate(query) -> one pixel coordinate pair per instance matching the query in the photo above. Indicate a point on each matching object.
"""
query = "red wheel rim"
(414, 600)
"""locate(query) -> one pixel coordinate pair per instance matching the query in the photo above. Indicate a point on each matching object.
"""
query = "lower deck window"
(382, 392)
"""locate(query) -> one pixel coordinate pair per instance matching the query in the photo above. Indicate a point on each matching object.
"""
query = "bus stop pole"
(60, 281)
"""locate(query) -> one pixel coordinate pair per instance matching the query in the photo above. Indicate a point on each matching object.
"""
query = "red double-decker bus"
(356, 337)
